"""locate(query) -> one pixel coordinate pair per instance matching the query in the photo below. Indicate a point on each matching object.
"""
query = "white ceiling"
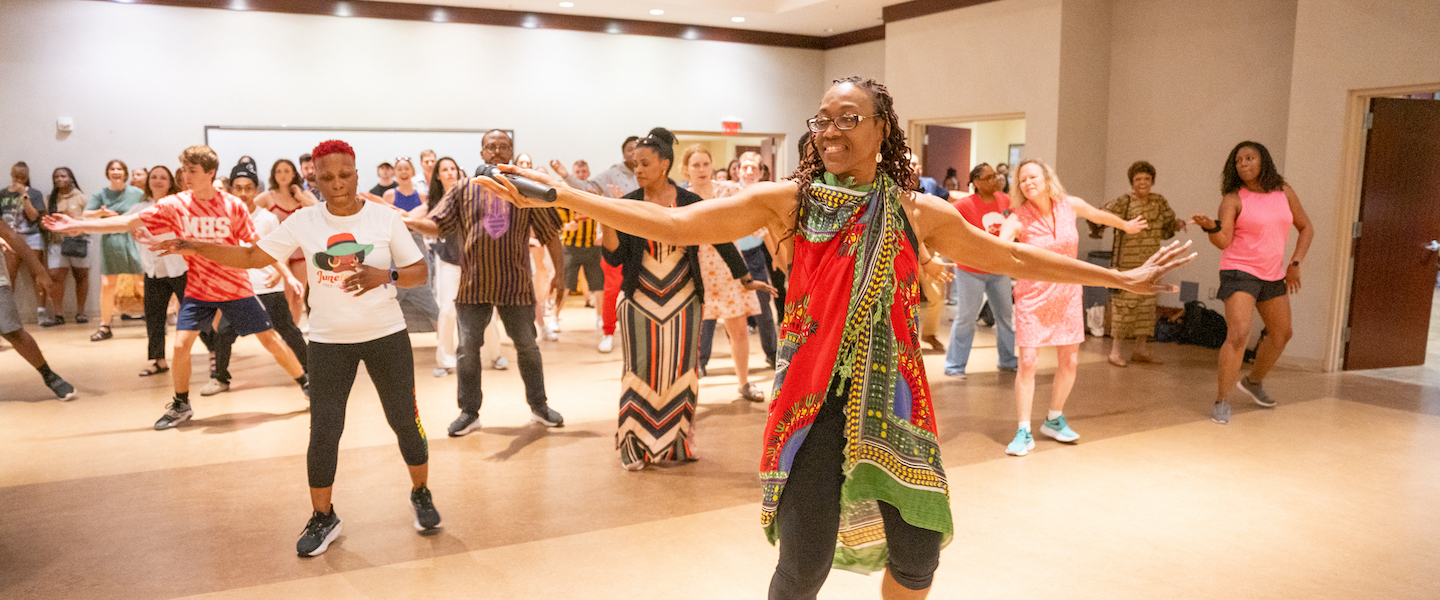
(809, 17)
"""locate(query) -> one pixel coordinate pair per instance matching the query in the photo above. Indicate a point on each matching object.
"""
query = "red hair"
(332, 147)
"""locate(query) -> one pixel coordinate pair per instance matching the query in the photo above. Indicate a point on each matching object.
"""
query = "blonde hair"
(685, 158)
(201, 156)
(1053, 189)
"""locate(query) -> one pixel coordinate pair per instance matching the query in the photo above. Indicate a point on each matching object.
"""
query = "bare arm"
(422, 225)
(945, 230)
(557, 256)
(1229, 211)
(68, 225)
(1085, 211)
(710, 222)
(28, 256)
(240, 257)
(1302, 245)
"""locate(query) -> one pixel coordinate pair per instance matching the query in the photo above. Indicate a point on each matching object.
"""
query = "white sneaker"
(214, 387)
(440, 372)
(551, 335)
(501, 364)
(607, 343)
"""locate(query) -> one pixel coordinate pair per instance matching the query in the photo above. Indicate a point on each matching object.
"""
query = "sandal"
(1117, 362)
(103, 333)
(154, 369)
(1144, 359)
(79, 318)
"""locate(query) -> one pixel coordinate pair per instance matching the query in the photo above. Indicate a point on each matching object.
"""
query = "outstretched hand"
(177, 247)
(61, 223)
(559, 168)
(502, 186)
(761, 286)
(1135, 225)
(1203, 221)
(1145, 279)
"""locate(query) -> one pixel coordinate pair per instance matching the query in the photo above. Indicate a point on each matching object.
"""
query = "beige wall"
(990, 140)
(1181, 96)
(1084, 90)
(1000, 58)
(1342, 46)
(865, 60)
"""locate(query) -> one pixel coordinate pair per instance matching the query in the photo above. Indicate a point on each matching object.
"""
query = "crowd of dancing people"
(860, 254)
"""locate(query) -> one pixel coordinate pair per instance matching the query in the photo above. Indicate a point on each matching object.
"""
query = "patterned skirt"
(660, 335)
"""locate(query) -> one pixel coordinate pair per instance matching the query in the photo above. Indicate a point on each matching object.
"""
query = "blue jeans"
(974, 289)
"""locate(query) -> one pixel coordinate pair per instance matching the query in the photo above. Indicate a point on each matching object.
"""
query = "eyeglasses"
(843, 122)
(498, 147)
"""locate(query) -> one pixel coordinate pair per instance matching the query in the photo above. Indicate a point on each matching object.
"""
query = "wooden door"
(1390, 298)
(945, 148)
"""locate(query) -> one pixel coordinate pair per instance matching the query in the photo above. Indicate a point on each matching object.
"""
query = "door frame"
(915, 128)
(780, 152)
(1348, 210)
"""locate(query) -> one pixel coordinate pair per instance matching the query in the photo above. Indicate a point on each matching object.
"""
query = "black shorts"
(1240, 281)
(589, 259)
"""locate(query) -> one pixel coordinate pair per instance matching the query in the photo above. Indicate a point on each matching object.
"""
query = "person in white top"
(270, 283)
(349, 245)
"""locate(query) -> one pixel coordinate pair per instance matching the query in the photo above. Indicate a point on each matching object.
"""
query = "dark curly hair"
(1269, 177)
(894, 153)
(295, 177)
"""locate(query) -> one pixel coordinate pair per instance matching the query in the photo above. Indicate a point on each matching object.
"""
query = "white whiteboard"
(372, 146)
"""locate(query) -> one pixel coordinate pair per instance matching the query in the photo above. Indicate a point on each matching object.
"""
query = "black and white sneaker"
(319, 532)
(426, 517)
(548, 417)
(463, 424)
(176, 412)
(63, 390)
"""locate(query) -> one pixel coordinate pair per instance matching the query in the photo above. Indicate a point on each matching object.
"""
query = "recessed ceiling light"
(657, 11)
(567, 5)
(738, 19)
(614, 28)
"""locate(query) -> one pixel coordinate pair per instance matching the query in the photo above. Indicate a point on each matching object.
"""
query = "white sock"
(1025, 425)
(1054, 414)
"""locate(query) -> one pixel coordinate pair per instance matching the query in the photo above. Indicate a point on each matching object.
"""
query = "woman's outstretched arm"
(946, 231)
(710, 222)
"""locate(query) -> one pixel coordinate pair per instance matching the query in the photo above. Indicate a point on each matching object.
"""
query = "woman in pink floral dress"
(1049, 314)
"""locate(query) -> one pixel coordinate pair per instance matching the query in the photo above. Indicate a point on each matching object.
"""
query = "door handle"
(1433, 246)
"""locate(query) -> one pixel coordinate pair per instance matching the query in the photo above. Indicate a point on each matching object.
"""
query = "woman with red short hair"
(349, 245)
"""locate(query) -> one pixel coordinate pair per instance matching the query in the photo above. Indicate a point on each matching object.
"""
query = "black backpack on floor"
(1202, 326)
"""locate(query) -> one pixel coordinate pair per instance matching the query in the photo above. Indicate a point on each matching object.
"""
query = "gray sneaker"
(1255, 391)
(1222, 413)
(549, 418)
(463, 424)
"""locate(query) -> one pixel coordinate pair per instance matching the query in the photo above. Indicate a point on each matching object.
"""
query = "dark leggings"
(332, 373)
(222, 340)
(157, 304)
(808, 518)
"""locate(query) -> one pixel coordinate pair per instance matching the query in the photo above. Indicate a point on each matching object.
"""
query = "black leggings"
(332, 373)
(157, 303)
(808, 518)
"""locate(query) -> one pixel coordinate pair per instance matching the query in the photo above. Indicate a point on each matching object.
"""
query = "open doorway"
(726, 148)
(953, 146)
(1393, 322)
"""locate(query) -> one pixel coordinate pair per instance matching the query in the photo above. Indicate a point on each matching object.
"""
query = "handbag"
(75, 246)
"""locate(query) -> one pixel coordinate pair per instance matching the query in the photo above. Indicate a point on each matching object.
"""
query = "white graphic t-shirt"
(334, 247)
(265, 222)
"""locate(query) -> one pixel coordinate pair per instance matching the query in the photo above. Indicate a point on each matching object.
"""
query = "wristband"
(1217, 229)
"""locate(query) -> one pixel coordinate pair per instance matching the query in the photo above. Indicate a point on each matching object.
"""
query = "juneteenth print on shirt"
(334, 249)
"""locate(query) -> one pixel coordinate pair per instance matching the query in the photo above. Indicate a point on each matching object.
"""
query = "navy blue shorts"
(246, 315)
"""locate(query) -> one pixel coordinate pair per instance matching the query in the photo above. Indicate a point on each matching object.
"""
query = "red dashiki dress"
(850, 324)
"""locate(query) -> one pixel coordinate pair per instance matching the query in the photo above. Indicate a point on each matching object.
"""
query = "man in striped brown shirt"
(495, 277)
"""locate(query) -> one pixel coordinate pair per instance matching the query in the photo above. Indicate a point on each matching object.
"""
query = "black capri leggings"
(808, 518)
(158, 291)
(332, 373)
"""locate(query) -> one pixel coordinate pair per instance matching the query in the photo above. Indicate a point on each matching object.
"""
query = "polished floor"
(1334, 494)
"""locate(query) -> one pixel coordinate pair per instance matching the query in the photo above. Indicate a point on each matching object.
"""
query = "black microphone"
(529, 188)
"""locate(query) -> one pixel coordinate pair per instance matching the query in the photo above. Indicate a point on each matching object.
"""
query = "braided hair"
(894, 153)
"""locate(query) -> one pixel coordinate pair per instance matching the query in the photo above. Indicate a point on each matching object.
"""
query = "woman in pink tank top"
(1049, 314)
(1256, 213)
